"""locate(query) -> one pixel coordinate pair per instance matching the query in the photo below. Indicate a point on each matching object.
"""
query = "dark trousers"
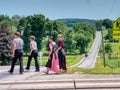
(19, 56)
(35, 55)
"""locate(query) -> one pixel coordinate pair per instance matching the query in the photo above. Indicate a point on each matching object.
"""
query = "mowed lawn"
(112, 67)
(114, 62)
(98, 69)
(71, 60)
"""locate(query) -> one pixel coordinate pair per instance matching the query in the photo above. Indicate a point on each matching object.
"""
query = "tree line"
(76, 38)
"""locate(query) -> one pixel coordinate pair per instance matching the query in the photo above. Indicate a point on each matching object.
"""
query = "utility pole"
(103, 48)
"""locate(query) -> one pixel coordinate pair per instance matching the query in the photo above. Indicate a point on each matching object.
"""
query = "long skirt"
(53, 65)
(62, 60)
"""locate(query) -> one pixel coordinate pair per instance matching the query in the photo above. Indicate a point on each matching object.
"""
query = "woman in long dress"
(61, 53)
(53, 62)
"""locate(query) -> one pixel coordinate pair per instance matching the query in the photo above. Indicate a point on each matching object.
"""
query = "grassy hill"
(71, 21)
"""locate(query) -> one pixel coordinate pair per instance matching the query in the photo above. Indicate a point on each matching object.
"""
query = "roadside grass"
(73, 59)
(114, 62)
(70, 59)
(112, 66)
(98, 69)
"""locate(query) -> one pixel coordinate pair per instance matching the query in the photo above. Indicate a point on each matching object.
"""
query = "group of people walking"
(56, 56)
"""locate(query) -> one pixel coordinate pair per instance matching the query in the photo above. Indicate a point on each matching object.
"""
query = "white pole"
(40, 60)
(40, 54)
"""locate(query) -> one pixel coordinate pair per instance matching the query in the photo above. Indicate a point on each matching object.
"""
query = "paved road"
(89, 62)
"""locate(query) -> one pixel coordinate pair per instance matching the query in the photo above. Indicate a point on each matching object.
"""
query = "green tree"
(4, 19)
(38, 23)
(107, 23)
(53, 28)
(83, 35)
(15, 19)
(108, 48)
(70, 43)
(25, 31)
(98, 24)
(5, 45)
(32, 25)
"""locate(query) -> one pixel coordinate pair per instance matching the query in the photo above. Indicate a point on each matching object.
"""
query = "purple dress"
(62, 56)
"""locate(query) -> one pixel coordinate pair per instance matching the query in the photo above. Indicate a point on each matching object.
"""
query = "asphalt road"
(89, 62)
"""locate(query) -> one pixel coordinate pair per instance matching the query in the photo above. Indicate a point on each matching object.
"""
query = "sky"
(59, 9)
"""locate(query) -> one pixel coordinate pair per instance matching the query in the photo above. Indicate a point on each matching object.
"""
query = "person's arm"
(13, 50)
(50, 52)
(58, 49)
(60, 46)
(32, 47)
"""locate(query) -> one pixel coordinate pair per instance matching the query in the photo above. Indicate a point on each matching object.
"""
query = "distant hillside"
(71, 21)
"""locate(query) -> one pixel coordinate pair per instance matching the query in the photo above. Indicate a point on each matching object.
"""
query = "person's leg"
(21, 62)
(60, 60)
(13, 62)
(65, 67)
(36, 62)
(28, 63)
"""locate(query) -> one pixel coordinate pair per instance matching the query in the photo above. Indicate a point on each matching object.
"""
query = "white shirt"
(18, 42)
(33, 43)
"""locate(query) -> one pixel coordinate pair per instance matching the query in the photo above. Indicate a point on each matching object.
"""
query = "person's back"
(19, 43)
(34, 43)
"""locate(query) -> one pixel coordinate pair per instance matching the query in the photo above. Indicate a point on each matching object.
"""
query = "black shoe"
(26, 69)
(21, 73)
(37, 70)
(10, 72)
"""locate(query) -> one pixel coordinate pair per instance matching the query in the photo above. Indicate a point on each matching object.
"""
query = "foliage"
(32, 25)
(15, 19)
(69, 22)
(4, 19)
(5, 44)
(98, 24)
(83, 35)
(108, 48)
(70, 43)
(107, 23)
(53, 28)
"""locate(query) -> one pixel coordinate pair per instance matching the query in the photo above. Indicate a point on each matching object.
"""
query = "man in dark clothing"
(17, 52)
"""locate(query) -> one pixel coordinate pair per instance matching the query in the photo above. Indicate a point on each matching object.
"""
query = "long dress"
(53, 63)
(62, 56)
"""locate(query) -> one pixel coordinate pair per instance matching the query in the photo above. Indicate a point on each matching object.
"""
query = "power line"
(112, 8)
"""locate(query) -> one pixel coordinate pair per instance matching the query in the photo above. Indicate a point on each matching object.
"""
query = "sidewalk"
(38, 80)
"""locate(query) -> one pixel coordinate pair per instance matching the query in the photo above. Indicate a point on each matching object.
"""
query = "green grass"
(71, 60)
(98, 69)
(114, 63)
